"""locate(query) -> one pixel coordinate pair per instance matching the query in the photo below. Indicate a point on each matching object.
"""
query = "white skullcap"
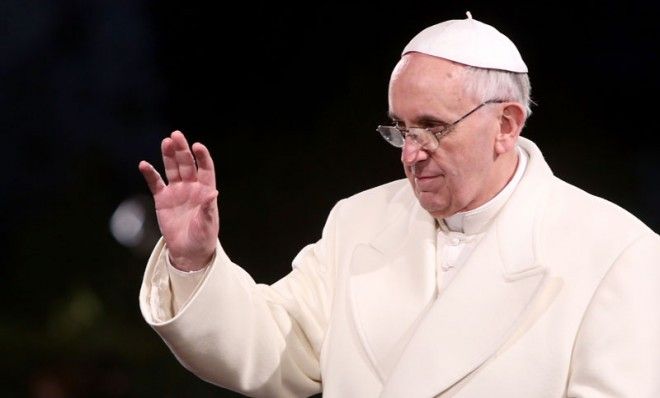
(470, 42)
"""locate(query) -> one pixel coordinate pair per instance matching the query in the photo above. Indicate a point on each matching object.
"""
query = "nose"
(412, 152)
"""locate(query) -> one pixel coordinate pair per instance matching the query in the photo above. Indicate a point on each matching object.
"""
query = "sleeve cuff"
(184, 283)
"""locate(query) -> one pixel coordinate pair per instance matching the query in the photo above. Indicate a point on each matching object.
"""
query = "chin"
(440, 214)
(435, 209)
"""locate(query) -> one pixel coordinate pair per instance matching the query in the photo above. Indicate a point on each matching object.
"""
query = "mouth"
(426, 177)
(428, 182)
(423, 175)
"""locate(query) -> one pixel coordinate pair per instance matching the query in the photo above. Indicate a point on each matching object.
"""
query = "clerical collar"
(475, 221)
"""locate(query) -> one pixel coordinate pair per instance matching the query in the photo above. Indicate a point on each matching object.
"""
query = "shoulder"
(382, 194)
(581, 228)
(591, 214)
(375, 206)
(569, 210)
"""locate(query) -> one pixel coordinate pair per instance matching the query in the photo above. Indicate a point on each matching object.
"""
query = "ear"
(511, 123)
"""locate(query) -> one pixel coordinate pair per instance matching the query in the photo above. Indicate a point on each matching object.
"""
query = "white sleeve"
(617, 350)
(170, 288)
(256, 339)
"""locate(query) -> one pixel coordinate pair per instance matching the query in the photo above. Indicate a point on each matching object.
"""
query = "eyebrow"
(424, 118)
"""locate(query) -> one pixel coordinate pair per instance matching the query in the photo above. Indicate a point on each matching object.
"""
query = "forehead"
(426, 84)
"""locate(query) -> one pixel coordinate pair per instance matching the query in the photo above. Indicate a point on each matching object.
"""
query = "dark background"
(287, 99)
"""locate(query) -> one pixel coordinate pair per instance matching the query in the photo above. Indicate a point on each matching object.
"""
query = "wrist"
(189, 264)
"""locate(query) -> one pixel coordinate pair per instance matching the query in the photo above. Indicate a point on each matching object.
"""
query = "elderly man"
(482, 275)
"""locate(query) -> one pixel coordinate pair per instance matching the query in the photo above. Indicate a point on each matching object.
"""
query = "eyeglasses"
(428, 138)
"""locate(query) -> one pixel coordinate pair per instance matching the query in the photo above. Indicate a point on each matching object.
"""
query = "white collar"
(475, 221)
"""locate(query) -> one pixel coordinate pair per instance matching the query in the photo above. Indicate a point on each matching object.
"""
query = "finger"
(206, 170)
(187, 168)
(169, 160)
(152, 177)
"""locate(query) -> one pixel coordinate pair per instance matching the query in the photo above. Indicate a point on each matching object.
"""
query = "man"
(482, 275)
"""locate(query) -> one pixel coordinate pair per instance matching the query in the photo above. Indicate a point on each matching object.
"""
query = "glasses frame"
(433, 134)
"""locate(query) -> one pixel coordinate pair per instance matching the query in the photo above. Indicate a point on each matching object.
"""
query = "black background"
(287, 99)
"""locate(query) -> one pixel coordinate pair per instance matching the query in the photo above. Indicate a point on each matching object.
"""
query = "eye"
(441, 130)
(433, 125)
(399, 125)
(436, 127)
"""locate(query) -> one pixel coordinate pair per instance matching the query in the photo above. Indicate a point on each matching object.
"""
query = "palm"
(182, 218)
(186, 208)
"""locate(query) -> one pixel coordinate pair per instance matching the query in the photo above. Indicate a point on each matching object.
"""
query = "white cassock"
(545, 291)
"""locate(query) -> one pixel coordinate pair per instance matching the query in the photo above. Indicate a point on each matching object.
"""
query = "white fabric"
(182, 285)
(453, 250)
(559, 298)
(469, 42)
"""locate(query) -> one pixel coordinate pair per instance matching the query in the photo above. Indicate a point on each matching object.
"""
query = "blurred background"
(287, 98)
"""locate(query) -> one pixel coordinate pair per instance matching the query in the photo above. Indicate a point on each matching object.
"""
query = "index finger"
(205, 168)
(152, 177)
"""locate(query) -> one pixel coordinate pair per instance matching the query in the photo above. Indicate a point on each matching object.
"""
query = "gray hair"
(487, 84)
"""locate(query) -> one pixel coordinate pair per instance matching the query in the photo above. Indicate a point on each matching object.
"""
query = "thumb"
(209, 204)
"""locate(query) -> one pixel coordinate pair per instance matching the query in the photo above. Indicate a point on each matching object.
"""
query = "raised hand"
(186, 207)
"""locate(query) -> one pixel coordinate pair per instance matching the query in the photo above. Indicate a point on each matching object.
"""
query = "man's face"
(460, 174)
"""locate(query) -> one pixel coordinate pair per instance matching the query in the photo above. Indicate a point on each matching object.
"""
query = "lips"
(423, 174)
(426, 177)
(428, 182)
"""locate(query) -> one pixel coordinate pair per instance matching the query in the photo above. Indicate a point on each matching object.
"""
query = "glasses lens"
(423, 138)
(391, 135)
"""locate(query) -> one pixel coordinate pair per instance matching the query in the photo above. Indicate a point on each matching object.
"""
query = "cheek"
(470, 156)
(459, 167)
(480, 158)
